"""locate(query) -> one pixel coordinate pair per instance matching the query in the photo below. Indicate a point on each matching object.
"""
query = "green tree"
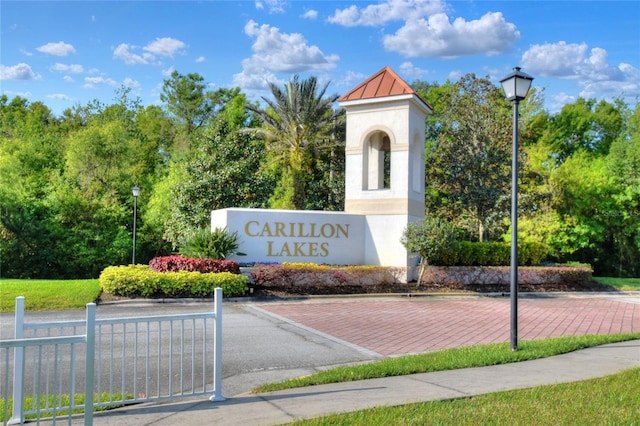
(224, 171)
(189, 104)
(431, 238)
(65, 185)
(623, 165)
(31, 156)
(296, 123)
(186, 99)
(468, 167)
(584, 125)
(583, 162)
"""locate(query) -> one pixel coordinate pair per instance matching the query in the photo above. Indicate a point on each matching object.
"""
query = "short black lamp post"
(516, 86)
(136, 194)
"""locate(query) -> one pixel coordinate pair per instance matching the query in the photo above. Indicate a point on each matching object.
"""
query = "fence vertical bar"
(17, 416)
(217, 355)
(90, 329)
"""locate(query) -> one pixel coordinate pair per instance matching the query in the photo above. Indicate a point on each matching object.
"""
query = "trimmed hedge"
(468, 253)
(192, 264)
(141, 281)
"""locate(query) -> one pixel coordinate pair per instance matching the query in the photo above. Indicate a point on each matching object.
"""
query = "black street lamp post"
(136, 194)
(516, 86)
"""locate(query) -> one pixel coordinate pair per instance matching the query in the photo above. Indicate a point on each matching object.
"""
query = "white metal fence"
(115, 361)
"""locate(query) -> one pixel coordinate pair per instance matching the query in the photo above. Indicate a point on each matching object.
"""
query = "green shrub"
(473, 253)
(532, 253)
(140, 281)
(206, 244)
(431, 238)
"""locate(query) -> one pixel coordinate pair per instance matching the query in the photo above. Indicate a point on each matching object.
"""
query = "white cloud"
(627, 85)
(350, 79)
(131, 83)
(72, 68)
(590, 69)
(274, 6)
(275, 51)
(168, 71)
(21, 71)
(407, 69)
(559, 100)
(166, 47)
(11, 94)
(255, 84)
(427, 30)
(386, 11)
(68, 79)
(437, 37)
(60, 97)
(200, 59)
(57, 49)
(123, 53)
(310, 14)
(91, 82)
(554, 59)
(455, 75)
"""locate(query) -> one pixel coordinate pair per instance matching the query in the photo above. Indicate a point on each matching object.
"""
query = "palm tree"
(296, 123)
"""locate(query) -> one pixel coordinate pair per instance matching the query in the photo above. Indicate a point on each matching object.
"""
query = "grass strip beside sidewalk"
(611, 400)
(451, 359)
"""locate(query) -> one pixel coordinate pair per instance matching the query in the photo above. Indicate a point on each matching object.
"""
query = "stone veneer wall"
(270, 275)
(500, 275)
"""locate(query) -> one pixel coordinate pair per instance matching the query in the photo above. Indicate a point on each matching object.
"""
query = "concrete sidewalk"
(284, 406)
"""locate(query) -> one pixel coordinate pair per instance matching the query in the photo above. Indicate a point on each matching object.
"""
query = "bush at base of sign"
(141, 281)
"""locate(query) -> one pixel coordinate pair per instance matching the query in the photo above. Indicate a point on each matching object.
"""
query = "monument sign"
(384, 189)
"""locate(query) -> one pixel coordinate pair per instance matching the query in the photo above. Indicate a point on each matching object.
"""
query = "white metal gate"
(125, 360)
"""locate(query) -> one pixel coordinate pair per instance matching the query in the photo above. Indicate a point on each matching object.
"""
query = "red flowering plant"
(182, 263)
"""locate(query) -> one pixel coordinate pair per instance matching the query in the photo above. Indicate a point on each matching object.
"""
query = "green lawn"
(61, 401)
(612, 400)
(451, 359)
(48, 295)
(622, 284)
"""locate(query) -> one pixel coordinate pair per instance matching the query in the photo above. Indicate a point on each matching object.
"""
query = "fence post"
(217, 355)
(17, 416)
(89, 363)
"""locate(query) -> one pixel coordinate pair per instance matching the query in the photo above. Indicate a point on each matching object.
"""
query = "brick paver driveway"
(395, 326)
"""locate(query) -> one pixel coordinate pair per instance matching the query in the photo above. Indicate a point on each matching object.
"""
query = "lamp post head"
(136, 191)
(516, 85)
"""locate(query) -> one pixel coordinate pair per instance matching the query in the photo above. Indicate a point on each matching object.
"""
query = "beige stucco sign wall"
(295, 236)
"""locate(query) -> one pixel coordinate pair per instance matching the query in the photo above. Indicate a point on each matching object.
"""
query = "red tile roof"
(383, 83)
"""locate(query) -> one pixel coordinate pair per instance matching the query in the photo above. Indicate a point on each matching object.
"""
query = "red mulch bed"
(404, 288)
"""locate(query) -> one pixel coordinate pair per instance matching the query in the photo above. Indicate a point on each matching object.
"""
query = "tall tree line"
(66, 205)
(579, 190)
(65, 181)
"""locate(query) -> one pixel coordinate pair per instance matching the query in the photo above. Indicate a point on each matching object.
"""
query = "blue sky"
(69, 53)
